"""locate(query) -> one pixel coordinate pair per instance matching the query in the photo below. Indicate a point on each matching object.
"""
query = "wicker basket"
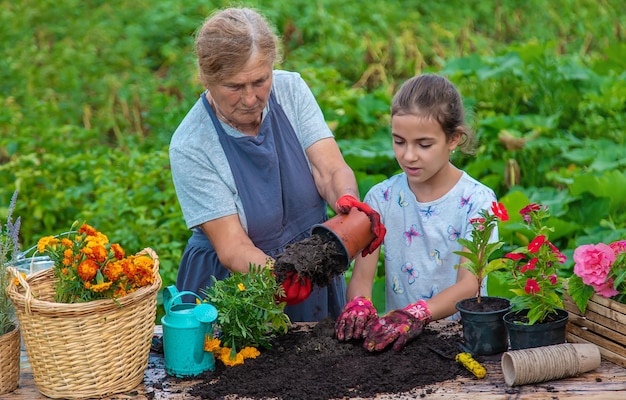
(9, 361)
(91, 349)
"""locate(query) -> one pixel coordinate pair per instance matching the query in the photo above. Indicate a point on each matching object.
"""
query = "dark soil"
(318, 257)
(313, 364)
(487, 304)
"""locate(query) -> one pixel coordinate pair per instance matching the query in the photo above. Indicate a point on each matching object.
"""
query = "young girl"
(425, 209)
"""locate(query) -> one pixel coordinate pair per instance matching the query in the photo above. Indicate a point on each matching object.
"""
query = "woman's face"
(242, 97)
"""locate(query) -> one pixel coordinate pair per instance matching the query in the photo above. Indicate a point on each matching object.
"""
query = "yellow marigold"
(241, 287)
(101, 287)
(87, 270)
(250, 352)
(224, 356)
(118, 251)
(212, 344)
(17, 281)
(67, 242)
(47, 241)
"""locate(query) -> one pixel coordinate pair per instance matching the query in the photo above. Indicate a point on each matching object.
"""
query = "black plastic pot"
(484, 332)
(524, 336)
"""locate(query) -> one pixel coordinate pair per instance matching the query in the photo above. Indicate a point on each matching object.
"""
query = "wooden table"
(605, 383)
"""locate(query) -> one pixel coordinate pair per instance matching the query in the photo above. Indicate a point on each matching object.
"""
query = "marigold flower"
(17, 281)
(212, 344)
(118, 251)
(47, 241)
(88, 230)
(101, 287)
(224, 356)
(241, 287)
(250, 352)
(87, 269)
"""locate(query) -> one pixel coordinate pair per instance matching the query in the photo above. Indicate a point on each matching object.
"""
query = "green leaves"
(247, 312)
(579, 292)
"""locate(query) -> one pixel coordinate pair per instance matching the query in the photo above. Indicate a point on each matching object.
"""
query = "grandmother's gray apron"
(280, 201)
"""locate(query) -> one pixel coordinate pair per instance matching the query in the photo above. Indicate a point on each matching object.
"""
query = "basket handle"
(28, 296)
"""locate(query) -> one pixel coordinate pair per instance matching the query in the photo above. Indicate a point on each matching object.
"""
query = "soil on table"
(313, 364)
(318, 257)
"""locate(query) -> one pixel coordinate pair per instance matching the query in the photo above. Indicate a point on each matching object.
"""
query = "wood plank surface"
(605, 383)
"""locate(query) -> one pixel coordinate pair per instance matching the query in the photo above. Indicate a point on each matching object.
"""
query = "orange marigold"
(87, 270)
(118, 251)
(224, 356)
(212, 344)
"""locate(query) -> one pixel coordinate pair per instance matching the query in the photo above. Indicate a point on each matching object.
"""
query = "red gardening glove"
(296, 289)
(346, 202)
(355, 319)
(399, 326)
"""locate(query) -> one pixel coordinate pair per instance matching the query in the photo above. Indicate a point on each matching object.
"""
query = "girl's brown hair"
(435, 97)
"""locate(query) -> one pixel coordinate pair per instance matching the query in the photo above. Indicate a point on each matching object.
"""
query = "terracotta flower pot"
(9, 361)
(352, 230)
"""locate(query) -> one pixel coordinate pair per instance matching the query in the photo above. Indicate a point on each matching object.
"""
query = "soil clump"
(318, 257)
(313, 364)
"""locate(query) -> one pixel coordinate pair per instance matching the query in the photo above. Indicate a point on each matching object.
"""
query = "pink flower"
(606, 290)
(593, 263)
(618, 246)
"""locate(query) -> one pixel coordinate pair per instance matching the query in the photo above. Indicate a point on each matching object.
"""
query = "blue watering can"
(185, 327)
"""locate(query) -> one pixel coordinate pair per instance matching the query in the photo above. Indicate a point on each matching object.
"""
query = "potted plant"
(248, 314)
(483, 329)
(9, 330)
(596, 298)
(537, 317)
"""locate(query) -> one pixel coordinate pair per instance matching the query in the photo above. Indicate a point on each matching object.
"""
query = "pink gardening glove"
(346, 202)
(399, 326)
(355, 319)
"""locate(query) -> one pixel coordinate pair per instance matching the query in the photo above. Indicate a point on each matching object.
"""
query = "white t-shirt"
(204, 183)
(421, 237)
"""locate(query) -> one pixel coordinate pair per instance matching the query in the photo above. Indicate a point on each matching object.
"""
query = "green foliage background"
(91, 91)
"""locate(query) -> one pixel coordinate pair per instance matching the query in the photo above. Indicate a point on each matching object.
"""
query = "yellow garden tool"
(466, 359)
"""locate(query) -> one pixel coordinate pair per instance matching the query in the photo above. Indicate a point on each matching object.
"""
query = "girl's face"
(421, 148)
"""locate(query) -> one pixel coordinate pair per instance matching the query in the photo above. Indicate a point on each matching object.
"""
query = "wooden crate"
(603, 324)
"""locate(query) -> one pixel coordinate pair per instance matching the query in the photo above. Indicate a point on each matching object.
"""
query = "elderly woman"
(254, 164)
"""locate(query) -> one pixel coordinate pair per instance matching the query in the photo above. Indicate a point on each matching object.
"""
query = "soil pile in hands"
(313, 364)
(318, 257)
